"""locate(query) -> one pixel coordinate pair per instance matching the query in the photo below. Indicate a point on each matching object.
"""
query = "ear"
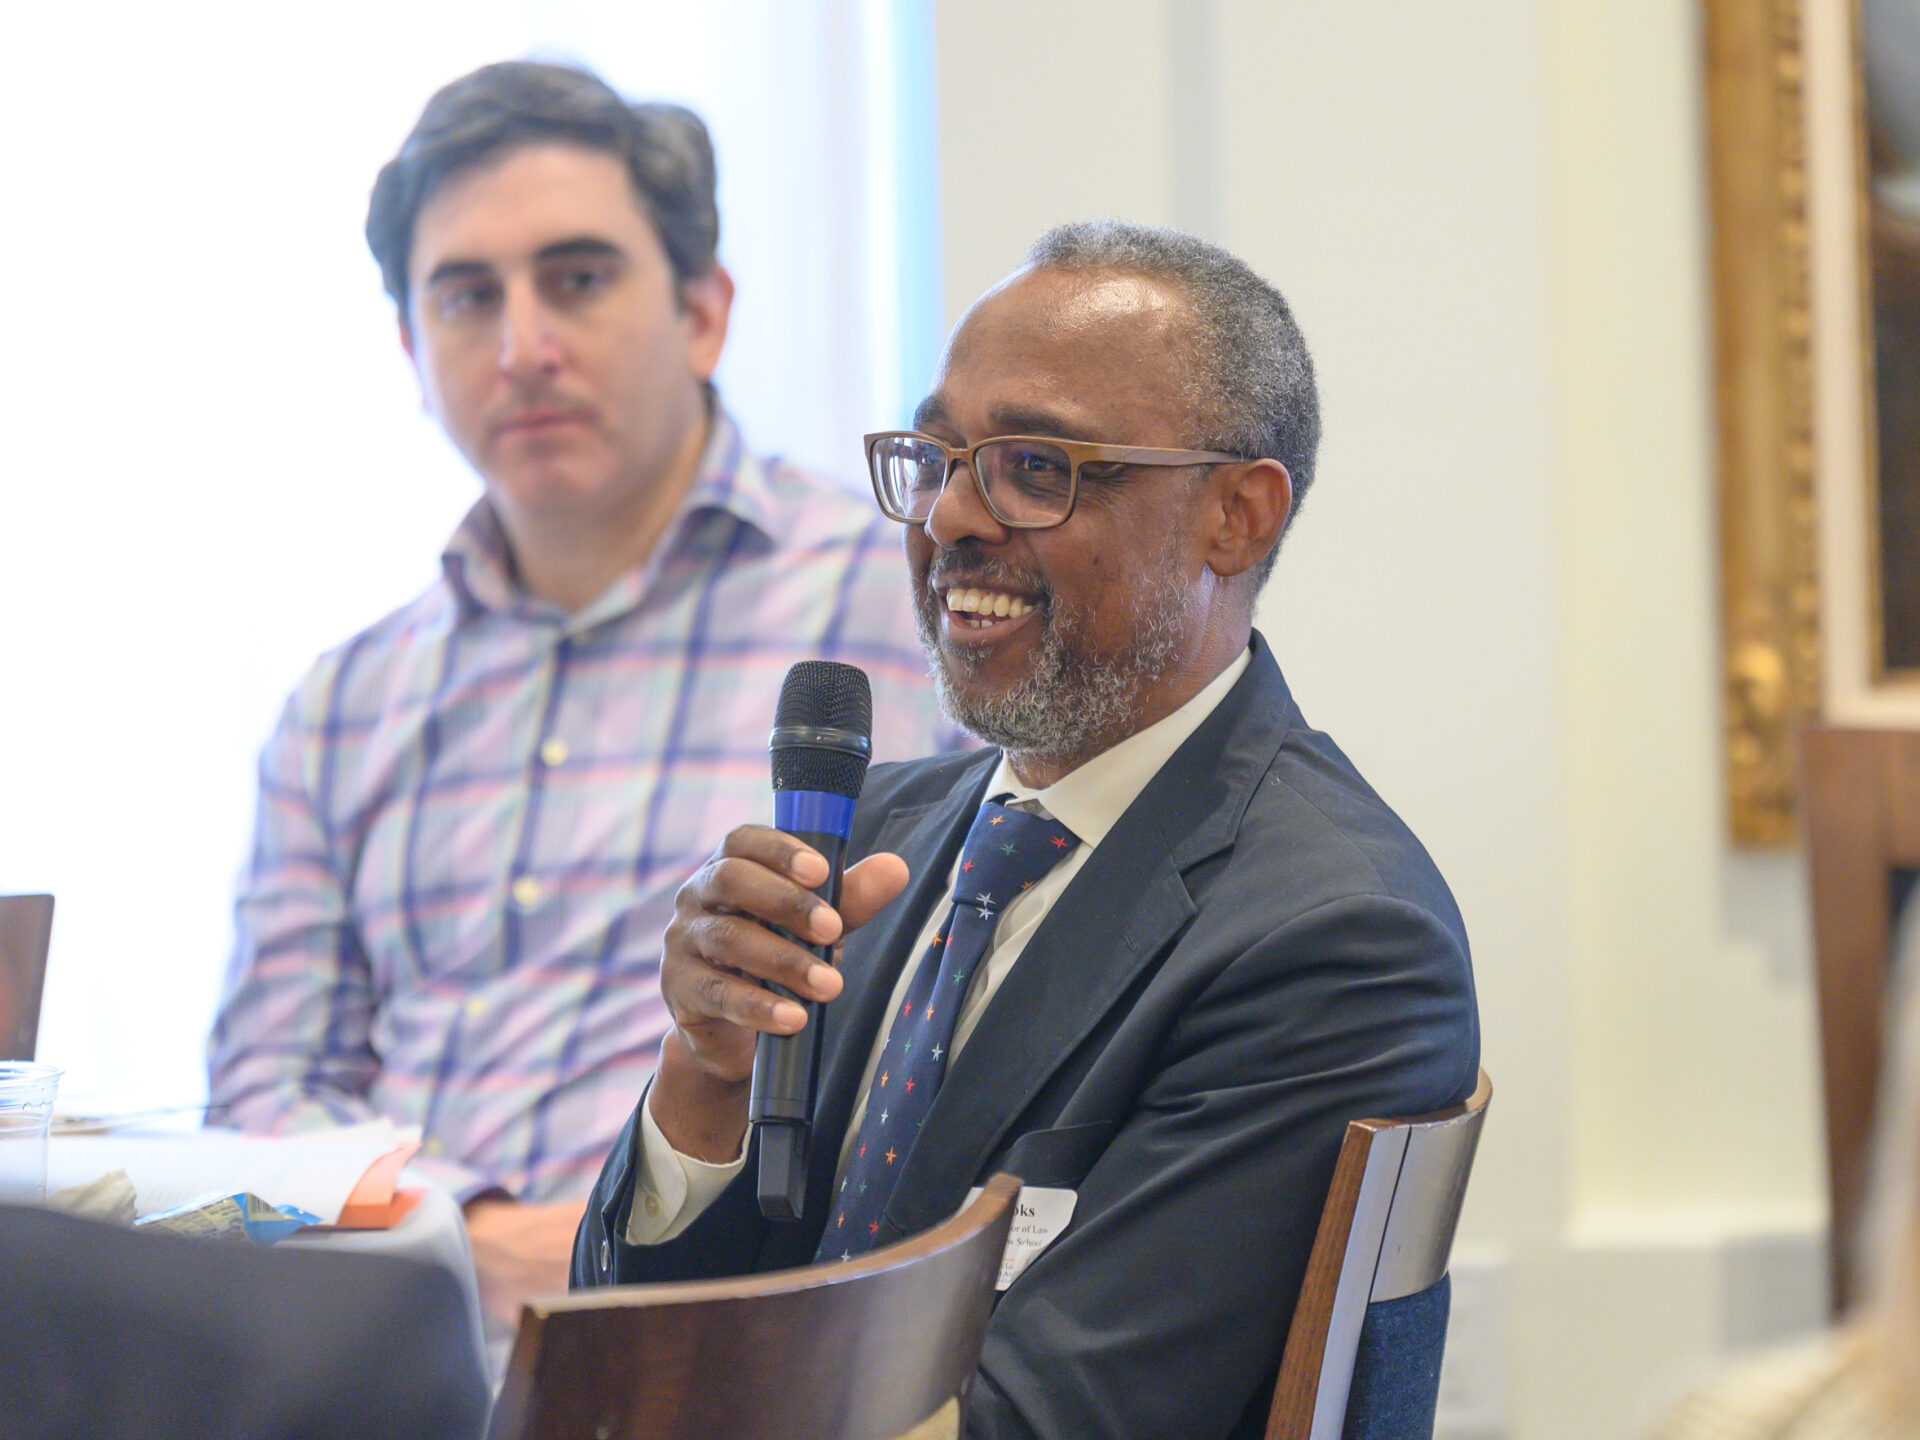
(705, 303)
(1254, 497)
(413, 358)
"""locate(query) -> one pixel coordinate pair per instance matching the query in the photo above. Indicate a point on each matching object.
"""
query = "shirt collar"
(730, 479)
(731, 485)
(1089, 801)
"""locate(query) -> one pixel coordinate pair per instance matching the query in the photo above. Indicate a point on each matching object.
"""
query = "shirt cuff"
(671, 1190)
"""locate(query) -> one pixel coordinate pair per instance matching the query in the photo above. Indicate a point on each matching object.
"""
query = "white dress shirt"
(671, 1190)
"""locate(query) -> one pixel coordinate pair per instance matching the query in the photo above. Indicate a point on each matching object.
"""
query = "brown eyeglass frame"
(1078, 453)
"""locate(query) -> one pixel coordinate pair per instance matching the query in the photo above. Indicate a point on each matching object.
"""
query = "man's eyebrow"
(579, 246)
(1006, 420)
(1018, 420)
(574, 247)
(456, 270)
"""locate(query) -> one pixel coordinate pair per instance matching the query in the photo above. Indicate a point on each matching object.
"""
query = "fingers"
(771, 876)
(724, 946)
(723, 956)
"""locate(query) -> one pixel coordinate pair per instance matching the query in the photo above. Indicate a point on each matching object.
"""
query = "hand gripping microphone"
(820, 746)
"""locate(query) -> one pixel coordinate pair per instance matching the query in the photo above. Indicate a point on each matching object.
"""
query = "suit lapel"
(1123, 909)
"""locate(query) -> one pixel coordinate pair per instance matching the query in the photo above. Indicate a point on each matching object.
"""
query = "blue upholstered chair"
(1363, 1355)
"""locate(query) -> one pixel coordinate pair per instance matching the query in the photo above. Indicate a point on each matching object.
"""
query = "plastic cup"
(26, 1108)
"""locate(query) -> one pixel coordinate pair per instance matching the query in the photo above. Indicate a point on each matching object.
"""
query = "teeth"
(987, 604)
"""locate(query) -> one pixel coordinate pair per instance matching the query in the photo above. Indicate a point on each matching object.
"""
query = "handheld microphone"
(820, 746)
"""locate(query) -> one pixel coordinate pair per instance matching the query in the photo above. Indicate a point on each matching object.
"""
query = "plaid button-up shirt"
(473, 818)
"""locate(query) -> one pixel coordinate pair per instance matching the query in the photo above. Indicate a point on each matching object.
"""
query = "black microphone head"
(827, 695)
(823, 728)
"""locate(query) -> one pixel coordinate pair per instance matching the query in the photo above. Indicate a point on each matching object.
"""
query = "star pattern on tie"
(1006, 851)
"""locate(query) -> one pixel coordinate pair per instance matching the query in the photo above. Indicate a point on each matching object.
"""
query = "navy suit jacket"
(1257, 953)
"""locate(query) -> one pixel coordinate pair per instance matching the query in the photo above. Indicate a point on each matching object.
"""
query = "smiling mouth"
(981, 609)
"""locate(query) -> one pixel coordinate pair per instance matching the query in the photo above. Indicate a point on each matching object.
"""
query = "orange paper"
(377, 1202)
(380, 1216)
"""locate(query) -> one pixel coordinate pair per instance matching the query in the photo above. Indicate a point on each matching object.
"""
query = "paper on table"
(377, 1202)
(317, 1171)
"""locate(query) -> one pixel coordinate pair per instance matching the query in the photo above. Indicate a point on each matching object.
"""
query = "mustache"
(958, 569)
(522, 402)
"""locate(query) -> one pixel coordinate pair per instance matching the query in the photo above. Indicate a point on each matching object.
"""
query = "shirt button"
(476, 1007)
(526, 892)
(433, 1147)
(653, 1203)
(606, 1254)
(553, 751)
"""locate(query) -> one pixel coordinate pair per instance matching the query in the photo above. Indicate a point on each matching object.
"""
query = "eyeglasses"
(1027, 482)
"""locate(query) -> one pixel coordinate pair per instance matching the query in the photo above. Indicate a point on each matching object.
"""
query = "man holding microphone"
(1150, 953)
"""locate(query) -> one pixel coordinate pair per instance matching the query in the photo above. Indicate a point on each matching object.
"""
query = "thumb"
(870, 886)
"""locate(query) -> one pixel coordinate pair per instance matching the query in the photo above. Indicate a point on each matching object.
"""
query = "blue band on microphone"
(817, 811)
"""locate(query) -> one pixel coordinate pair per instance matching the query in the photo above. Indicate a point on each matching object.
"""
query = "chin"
(1053, 695)
(551, 488)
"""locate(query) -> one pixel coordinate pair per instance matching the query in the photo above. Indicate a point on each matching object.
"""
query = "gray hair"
(1251, 379)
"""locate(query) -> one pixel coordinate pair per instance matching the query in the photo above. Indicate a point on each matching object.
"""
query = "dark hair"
(522, 102)
(1251, 379)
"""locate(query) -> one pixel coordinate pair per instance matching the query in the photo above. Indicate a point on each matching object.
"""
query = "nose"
(959, 512)
(529, 348)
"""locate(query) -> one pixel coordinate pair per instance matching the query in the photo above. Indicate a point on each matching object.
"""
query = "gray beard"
(1071, 704)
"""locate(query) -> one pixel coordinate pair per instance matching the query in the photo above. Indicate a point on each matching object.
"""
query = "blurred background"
(1490, 217)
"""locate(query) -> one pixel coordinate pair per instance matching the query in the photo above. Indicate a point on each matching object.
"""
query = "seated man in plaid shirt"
(473, 817)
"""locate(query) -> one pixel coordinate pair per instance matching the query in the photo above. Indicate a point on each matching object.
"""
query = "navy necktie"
(1005, 853)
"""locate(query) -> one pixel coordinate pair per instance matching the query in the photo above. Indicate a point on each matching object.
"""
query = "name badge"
(1040, 1213)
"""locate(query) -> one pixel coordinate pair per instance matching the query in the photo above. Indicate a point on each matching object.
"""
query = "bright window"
(216, 464)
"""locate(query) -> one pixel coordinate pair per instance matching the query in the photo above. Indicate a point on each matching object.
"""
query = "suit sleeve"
(722, 1240)
(1163, 1308)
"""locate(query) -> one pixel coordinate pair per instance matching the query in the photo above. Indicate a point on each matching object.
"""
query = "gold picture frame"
(1802, 577)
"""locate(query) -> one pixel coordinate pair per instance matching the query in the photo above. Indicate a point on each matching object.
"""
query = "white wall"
(1489, 217)
(1500, 598)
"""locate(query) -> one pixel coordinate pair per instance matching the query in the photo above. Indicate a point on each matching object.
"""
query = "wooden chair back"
(1385, 1235)
(864, 1349)
(1863, 848)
